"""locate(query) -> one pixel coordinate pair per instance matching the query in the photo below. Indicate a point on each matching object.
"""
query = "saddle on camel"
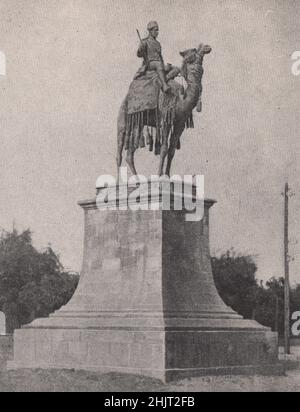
(157, 107)
(152, 94)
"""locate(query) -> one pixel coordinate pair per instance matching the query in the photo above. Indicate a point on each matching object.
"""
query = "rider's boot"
(165, 87)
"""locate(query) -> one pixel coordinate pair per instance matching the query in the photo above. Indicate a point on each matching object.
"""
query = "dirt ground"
(82, 381)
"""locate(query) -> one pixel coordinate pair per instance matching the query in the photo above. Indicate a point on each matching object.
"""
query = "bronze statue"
(147, 110)
(150, 50)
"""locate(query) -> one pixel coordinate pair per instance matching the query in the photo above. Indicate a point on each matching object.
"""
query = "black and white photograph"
(150, 198)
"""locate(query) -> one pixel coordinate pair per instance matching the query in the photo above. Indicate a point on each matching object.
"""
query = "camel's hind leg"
(121, 140)
(133, 144)
(178, 130)
(130, 161)
(119, 158)
(121, 136)
(163, 150)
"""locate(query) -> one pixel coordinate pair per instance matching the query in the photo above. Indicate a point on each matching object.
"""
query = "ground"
(81, 381)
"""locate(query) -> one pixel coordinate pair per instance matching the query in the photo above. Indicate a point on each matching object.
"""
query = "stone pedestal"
(147, 304)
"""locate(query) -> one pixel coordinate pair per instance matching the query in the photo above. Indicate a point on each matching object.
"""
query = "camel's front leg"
(178, 130)
(163, 150)
(130, 161)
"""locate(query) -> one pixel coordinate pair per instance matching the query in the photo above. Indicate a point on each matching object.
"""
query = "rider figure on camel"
(150, 50)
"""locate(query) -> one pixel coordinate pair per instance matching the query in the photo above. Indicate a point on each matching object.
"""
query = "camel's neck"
(193, 78)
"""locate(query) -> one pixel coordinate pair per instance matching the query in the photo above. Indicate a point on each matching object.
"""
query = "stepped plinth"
(146, 302)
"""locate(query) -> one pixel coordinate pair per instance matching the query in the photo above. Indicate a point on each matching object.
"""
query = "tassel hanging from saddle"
(149, 139)
(137, 131)
(157, 147)
(142, 140)
(149, 135)
(157, 140)
(157, 143)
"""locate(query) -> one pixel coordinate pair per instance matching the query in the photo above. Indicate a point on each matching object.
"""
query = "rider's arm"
(142, 50)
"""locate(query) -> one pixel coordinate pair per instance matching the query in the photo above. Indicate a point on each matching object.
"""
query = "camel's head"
(193, 58)
(191, 55)
(204, 49)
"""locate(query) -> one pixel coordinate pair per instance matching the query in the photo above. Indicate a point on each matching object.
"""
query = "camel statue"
(172, 114)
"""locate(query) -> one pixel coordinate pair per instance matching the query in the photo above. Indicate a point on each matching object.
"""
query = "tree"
(295, 299)
(270, 304)
(234, 276)
(32, 283)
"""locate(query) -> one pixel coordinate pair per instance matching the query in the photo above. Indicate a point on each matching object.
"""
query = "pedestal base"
(160, 354)
(147, 304)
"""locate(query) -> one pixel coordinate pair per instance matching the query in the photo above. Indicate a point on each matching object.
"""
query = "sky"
(69, 66)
